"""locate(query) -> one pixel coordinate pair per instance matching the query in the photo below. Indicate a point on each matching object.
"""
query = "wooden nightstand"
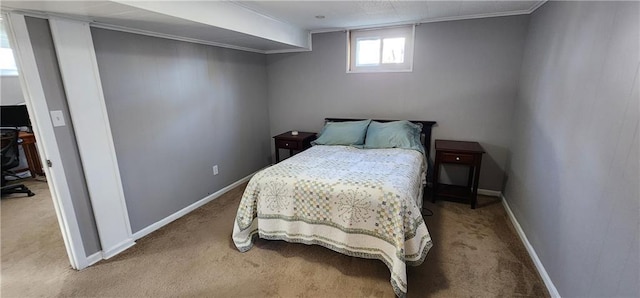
(462, 153)
(299, 142)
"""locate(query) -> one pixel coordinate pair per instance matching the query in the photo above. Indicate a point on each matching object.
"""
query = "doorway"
(63, 95)
(30, 42)
(30, 235)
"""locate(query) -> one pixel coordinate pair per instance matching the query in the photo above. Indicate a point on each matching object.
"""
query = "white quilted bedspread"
(359, 202)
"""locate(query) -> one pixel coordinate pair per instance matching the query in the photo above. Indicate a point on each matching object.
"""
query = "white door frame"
(76, 59)
(47, 144)
(87, 108)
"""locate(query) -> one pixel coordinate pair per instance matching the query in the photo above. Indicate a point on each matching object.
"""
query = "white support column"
(47, 143)
(79, 70)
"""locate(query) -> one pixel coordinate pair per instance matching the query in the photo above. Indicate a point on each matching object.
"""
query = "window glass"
(368, 52)
(7, 63)
(393, 50)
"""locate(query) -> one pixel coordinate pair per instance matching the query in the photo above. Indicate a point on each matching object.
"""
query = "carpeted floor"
(476, 253)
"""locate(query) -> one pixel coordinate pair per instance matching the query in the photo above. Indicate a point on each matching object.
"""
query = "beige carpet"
(476, 253)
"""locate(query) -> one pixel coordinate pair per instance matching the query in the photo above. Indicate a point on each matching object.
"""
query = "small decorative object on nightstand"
(299, 141)
(462, 153)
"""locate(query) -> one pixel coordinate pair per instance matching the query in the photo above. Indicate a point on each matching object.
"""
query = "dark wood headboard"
(426, 129)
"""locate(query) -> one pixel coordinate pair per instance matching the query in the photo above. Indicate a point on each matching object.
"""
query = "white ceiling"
(262, 26)
(340, 15)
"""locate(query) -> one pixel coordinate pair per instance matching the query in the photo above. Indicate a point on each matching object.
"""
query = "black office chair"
(11, 159)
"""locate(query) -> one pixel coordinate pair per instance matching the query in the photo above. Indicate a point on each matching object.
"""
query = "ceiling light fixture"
(320, 17)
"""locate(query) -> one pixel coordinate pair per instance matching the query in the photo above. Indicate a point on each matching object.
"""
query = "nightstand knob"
(457, 158)
(286, 145)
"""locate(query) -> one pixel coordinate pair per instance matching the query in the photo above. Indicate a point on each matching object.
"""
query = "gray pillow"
(397, 134)
(349, 133)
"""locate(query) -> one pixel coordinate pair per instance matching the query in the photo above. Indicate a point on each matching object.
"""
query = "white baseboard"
(532, 252)
(94, 258)
(98, 256)
(488, 192)
(122, 246)
(89, 260)
(146, 231)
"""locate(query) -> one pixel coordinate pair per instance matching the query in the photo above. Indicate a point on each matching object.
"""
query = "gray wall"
(47, 63)
(176, 109)
(573, 176)
(10, 90)
(465, 77)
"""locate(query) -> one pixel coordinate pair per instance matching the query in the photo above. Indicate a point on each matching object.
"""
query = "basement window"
(380, 50)
(7, 63)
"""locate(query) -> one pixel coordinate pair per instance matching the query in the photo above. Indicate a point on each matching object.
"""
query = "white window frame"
(406, 31)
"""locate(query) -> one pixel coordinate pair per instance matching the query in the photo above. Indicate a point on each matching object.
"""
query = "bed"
(359, 202)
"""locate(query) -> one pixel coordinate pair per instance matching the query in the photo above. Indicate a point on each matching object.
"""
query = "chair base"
(16, 188)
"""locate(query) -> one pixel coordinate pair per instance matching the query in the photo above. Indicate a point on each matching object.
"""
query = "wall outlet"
(215, 170)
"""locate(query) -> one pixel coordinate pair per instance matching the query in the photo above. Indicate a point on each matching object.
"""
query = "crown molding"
(92, 23)
(174, 37)
(287, 51)
(435, 20)
(246, 49)
(533, 8)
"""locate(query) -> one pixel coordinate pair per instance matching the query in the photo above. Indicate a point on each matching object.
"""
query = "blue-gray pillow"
(397, 134)
(348, 133)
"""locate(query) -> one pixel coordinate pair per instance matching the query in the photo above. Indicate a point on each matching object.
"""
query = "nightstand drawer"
(287, 144)
(288, 141)
(457, 158)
